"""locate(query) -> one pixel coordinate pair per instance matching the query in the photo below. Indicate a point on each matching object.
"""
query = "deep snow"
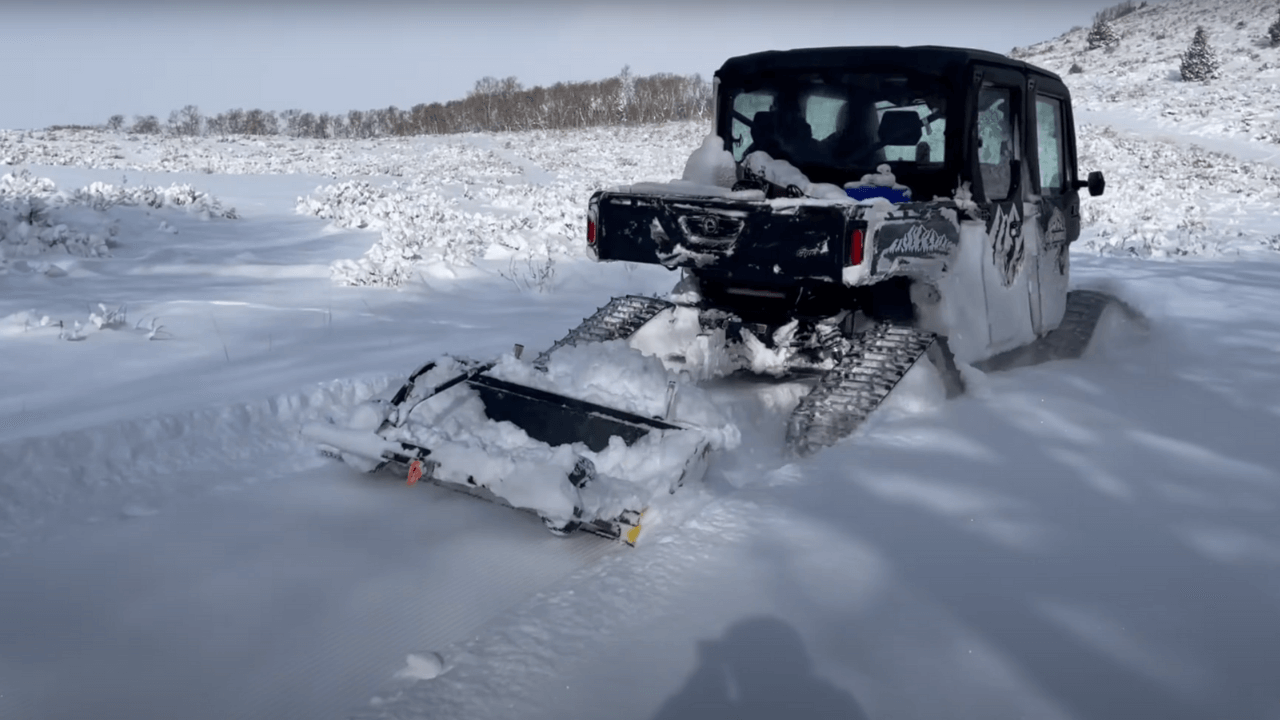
(1084, 539)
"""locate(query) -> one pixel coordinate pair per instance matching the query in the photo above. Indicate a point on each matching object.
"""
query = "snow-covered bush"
(1273, 33)
(1199, 62)
(417, 225)
(1101, 35)
(464, 203)
(36, 218)
(32, 223)
(101, 196)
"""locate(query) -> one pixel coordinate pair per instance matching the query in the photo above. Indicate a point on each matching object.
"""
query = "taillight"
(855, 247)
(591, 232)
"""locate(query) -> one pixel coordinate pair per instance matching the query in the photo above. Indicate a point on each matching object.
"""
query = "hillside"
(1192, 168)
(1138, 80)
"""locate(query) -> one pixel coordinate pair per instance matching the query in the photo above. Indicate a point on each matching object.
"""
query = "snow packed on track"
(1083, 539)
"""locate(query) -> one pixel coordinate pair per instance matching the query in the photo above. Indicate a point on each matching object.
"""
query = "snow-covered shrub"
(417, 226)
(1101, 35)
(36, 218)
(101, 196)
(1199, 62)
(466, 203)
(1273, 33)
(31, 223)
(1075, 69)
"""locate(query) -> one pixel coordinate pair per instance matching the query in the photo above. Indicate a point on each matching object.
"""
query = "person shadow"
(759, 670)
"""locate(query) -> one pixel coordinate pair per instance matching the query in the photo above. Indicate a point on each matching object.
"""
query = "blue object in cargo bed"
(875, 191)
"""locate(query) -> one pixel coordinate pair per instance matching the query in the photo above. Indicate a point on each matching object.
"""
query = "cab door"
(1009, 268)
(1058, 200)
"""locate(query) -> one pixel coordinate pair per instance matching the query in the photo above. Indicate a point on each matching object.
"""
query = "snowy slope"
(1088, 539)
(1139, 79)
(1192, 168)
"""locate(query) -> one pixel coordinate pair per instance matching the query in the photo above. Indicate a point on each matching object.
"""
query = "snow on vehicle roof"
(933, 59)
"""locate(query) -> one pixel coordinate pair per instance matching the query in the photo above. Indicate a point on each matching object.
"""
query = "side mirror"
(1096, 183)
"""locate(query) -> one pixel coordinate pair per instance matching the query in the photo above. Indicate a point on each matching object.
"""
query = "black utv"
(933, 187)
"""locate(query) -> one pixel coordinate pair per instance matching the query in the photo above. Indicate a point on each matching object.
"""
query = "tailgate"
(747, 240)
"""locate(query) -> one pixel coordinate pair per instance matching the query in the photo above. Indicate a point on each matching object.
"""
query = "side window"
(747, 105)
(1049, 144)
(823, 112)
(996, 141)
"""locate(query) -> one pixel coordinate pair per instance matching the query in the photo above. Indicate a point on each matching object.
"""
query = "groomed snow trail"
(291, 597)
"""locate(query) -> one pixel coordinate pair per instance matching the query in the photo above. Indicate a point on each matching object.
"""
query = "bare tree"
(233, 121)
(289, 121)
(261, 122)
(492, 105)
(186, 121)
(145, 125)
(626, 95)
(115, 123)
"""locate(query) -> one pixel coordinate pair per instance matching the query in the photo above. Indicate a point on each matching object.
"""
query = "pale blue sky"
(65, 63)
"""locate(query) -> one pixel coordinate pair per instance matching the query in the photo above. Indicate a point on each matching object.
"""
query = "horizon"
(334, 58)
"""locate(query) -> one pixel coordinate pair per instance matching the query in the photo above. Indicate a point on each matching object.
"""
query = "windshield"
(836, 127)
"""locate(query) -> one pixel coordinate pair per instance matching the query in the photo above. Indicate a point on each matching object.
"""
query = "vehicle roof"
(933, 59)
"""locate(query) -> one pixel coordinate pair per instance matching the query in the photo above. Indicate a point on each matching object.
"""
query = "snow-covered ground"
(1084, 539)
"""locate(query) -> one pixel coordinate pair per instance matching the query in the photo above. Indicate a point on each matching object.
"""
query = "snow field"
(470, 203)
(1038, 548)
(132, 467)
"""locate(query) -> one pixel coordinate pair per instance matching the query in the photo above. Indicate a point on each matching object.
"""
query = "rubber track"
(619, 318)
(847, 394)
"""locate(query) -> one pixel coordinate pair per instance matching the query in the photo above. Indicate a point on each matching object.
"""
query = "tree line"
(493, 105)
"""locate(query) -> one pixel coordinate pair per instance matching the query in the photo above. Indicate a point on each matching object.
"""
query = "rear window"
(837, 121)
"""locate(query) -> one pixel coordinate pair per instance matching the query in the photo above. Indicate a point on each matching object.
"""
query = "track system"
(867, 367)
(847, 394)
(619, 318)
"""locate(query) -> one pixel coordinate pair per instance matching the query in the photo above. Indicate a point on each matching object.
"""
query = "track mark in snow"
(319, 584)
(136, 464)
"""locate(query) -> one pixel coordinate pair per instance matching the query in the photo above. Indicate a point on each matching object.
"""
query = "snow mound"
(422, 667)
